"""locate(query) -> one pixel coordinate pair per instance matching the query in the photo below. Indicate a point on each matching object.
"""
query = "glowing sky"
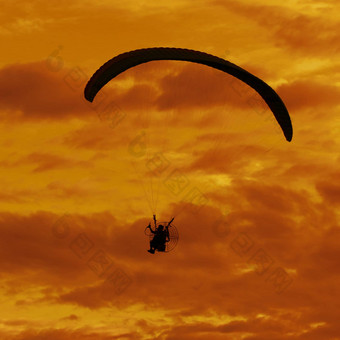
(258, 217)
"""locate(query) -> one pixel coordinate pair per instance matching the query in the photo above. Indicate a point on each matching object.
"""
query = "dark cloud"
(45, 162)
(307, 93)
(329, 188)
(35, 92)
(67, 334)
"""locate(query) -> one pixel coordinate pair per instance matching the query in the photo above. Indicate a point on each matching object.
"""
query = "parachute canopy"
(124, 61)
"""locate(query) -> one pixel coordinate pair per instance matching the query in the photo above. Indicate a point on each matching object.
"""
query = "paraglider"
(164, 236)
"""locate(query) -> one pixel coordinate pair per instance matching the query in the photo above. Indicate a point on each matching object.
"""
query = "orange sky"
(258, 217)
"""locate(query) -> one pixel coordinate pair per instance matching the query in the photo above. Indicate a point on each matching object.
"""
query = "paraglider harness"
(161, 236)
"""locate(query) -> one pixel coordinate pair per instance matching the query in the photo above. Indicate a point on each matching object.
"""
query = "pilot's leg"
(152, 247)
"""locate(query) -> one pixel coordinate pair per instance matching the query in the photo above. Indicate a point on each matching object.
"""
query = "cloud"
(71, 317)
(59, 274)
(35, 243)
(33, 92)
(36, 91)
(67, 334)
(47, 162)
(301, 33)
(259, 327)
(329, 188)
(309, 94)
(232, 157)
(98, 135)
(204, 273)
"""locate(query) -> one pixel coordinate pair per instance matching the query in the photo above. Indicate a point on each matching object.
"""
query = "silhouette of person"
(161, 236)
